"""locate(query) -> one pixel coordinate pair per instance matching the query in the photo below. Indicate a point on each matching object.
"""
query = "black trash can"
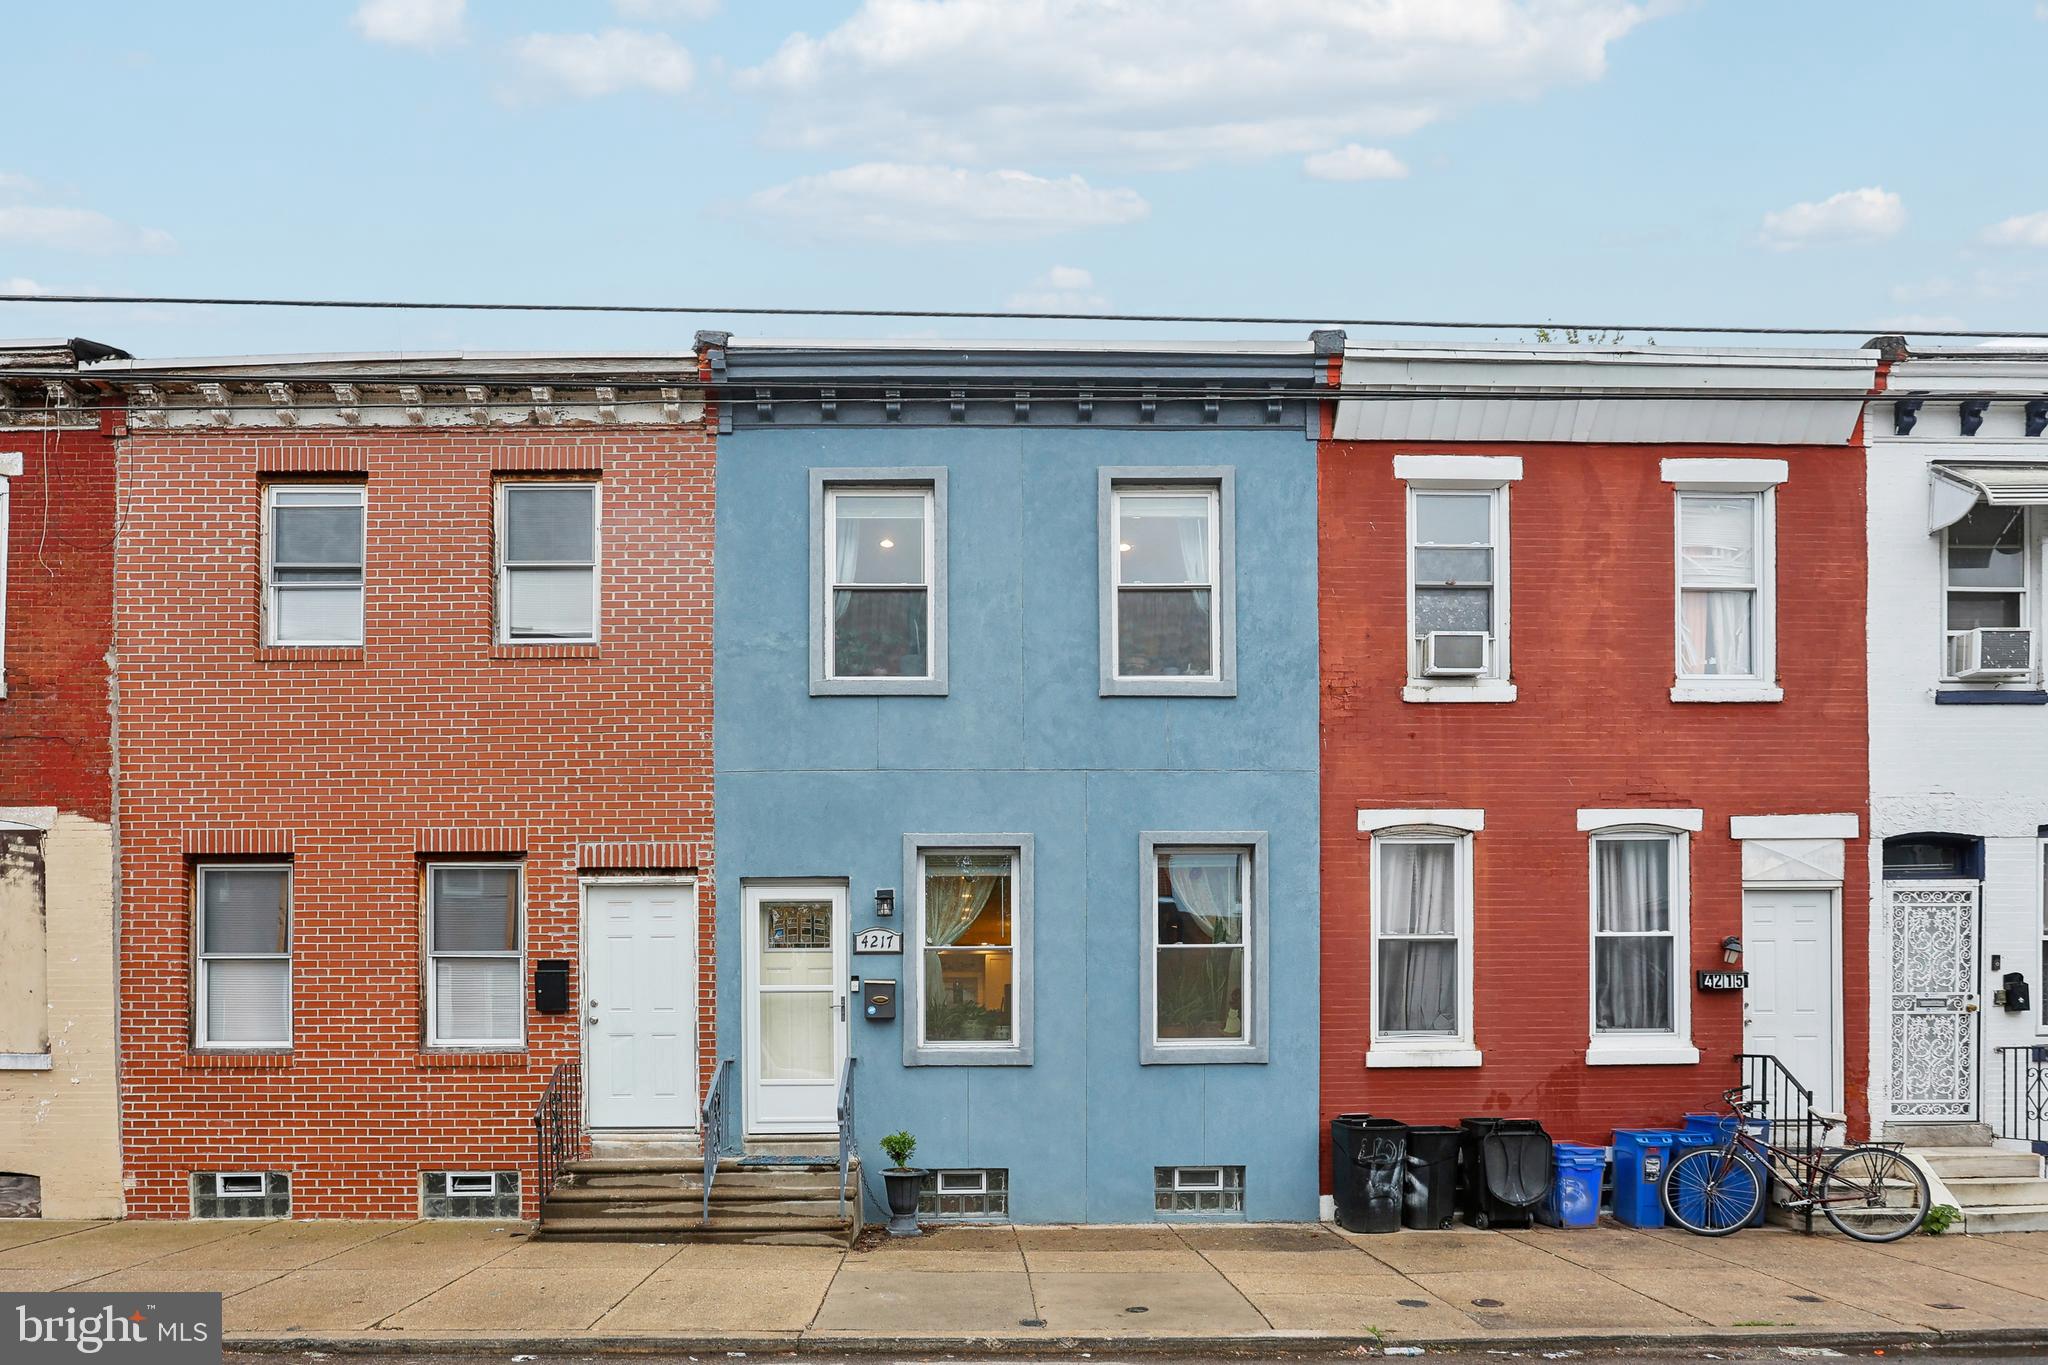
(1430, 1196)
(1504, 1170)
(1367, 1160)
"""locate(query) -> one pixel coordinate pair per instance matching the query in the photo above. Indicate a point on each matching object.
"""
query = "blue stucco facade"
(1023, 742)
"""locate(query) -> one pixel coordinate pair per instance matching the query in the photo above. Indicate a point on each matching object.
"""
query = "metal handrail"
(846, 1140)
(558, 1125)
(2023, 1093)
(1786, 1103)
(713, 1129)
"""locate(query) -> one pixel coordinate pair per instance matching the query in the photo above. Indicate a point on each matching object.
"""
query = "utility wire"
(960, 313)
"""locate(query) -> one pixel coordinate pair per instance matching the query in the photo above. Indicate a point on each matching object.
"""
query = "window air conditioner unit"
(1988, 654)
(1454, 654)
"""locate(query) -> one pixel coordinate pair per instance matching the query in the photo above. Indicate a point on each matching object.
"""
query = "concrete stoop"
(1997, 1190)
(660, 1198)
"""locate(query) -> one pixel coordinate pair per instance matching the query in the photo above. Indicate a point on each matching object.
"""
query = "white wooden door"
(1932, 936)
(1790, 1010)
(640, 1004)
(796, 1007)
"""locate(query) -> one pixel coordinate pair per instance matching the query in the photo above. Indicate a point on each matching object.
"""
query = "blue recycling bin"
(1720, 1128)
(1641, 1156)
(1574, 1200)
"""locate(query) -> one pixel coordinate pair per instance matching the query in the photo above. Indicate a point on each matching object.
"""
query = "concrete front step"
(688, 1227)
(2014, 1218)
(620, 1190)
(1967, 1163)
(1938, 1134)
(605, 1232)
(1988, 1192)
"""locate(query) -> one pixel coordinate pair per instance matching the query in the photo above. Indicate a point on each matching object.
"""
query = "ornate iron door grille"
(1933, 938)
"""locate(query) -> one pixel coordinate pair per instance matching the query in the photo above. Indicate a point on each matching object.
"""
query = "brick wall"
(1592, 612)
(357, 757)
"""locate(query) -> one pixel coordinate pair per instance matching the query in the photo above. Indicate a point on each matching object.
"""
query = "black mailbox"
(551, 987)
(878, 999)
(2017, 998)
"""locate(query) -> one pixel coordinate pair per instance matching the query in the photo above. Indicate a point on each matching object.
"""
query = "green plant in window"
(898, 1147)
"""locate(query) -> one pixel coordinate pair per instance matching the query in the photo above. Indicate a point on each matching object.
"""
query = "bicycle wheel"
(1711, 1191)
(1873, 1194)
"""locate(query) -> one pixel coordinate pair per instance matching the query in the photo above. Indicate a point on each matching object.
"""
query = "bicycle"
(1869, 1191)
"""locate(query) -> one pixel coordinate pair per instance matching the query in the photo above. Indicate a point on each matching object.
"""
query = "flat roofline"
(1550, 352)
(955, 345)
(311, 359)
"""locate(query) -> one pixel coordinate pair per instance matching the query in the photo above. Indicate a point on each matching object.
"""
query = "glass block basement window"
(1198, 1189)
(967, 1196)
(241, 1194)
(469, 1194)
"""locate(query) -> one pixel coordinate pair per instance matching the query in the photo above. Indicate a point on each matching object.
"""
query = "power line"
(1219, 319)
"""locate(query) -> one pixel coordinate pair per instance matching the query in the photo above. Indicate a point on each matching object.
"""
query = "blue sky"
(1802, 164)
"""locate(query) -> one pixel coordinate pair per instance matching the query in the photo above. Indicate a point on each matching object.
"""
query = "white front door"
(640, 1003)
(1932, 933)
(796, 1006)
(1790, 1009)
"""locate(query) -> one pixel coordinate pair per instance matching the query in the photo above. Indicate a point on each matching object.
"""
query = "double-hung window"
(1458, 576)
(1422, 942)
(1640, 940)
(313, 570)
(1168, 614)
(879, 601)
(475, 955)
(547, 562)
(1725, 633)
(244, 958)
(1985, 581)
(972, 939)
(1202, 979)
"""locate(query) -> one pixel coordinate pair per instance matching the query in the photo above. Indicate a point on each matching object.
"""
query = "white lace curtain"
(1205, 890)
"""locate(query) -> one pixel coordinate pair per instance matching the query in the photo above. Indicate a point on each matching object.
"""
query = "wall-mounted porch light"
(1731, 949)
(885, 902)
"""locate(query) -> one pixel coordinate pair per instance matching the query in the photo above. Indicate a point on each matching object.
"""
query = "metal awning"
(1953, 489)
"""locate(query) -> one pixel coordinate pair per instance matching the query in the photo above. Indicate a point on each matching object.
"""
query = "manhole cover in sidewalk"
(1488, 1303)
(1137, 1308)
(1947, 1307)
(1808, 1298)
(1031, 1322)
(1413, 1303)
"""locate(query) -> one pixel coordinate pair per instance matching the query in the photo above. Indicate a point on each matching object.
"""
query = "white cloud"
(656, 11)
(1062, 289)
(2028, 229)
(1851, 215)
(20, 285)
(67, 229)
(1353, 162)
(410, 23)
(1166, 83)
(890, 201)
(13, 185)
(588, 65)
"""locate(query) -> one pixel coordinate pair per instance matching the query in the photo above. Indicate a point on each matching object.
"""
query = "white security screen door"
(1788, 947)
(796, 1025)
(640, 1003)
(1932, 931)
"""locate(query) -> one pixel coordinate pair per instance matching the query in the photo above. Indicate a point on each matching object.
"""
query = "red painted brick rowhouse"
(1593, 707)
(415, 795)
(59, 1152)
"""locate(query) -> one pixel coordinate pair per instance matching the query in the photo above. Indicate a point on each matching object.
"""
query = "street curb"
(1263, 1343)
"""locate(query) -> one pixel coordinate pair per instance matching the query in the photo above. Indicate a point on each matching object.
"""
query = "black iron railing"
(847, 1146)
(714, 1129)
(2022, 1093)
(558, 1125)
(1787, 1106)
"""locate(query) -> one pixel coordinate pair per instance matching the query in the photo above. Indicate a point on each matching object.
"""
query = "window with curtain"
(474, 956)
(1636, 952)
(1984, 573)
(1165, 599)
(968, 954)
(1201, 940)
(315, 565)
(879, 570)
(1720, 574)
(1452, 564)
(547, 561)
(1419, 915)
(244, 956)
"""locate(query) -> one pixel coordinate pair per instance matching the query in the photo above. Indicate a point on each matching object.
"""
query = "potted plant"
(903, 1180)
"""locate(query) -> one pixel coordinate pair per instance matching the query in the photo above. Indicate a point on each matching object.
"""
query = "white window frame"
(1219, 485)
(2030, 557)
(10, 468)
(432, 958)
(1729, 478)
(1017, 1050)
(1490, 475)
(927, 482)
(272, 589)
(502, 576)
(833, 586)
(201, 958)
(1251, 847)
(1642, 1047)
(1426, 1049)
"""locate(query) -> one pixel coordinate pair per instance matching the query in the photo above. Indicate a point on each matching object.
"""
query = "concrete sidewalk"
(468, 1284)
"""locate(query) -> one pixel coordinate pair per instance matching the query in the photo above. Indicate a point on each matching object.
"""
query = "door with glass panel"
(796, 1026)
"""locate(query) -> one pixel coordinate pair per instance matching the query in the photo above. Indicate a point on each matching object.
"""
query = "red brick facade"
(359, 763)
(1592, 624)
(56, 724)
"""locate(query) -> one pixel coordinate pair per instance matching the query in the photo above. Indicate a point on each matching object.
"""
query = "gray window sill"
(1989, 696)
(25, 1061)
(878, 687)
(1169, 687)
(1155, 1054)
(968, 1056)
